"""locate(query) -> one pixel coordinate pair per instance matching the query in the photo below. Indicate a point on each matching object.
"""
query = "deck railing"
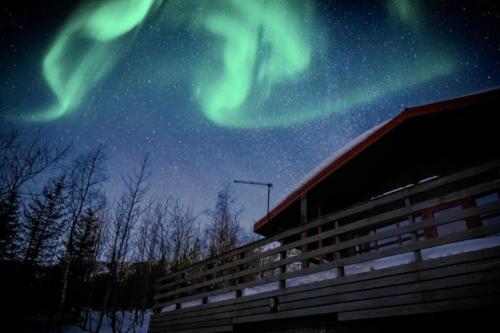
(337, 244)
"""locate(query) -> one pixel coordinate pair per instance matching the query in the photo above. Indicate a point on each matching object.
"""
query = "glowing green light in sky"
(256, 51)
(234, 96)
(85, 50)
(247, 29)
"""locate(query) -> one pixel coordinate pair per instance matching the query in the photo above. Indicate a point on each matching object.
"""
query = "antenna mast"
(269, 185)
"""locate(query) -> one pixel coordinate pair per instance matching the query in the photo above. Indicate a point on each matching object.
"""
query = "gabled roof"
(360, 144)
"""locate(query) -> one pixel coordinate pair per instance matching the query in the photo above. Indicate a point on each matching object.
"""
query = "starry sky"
(233, 89)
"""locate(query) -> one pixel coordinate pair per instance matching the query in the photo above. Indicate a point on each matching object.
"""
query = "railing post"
(241, 268)
(303, 220)
(320, 245)
(204, 300)
(156, 308)
(179, 278)
(282, 268)
(414, 238)
(340, 269)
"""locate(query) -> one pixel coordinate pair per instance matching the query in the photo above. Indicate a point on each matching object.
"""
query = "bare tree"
(149, 240)
(128, 211)
(22, 160)
(98, 239)
(152, 251)
(165, 246)
(43, 222)
(223, 228)
(183, 235)
(85, 178)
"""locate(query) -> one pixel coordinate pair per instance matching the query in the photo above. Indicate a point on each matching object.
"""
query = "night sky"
(224, 90)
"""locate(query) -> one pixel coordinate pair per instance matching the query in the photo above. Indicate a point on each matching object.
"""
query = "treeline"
(66, 249)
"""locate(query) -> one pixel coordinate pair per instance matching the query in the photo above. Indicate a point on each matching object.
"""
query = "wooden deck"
(384, 257)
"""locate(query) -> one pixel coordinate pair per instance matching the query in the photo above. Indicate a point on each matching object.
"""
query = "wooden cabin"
(398, 231)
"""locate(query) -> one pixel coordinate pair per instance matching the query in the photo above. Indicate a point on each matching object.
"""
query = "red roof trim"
(375, 136)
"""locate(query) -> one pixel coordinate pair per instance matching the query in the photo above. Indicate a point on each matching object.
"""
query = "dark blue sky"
(310, 77)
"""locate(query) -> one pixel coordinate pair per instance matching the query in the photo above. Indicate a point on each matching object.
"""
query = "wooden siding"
(460, 281)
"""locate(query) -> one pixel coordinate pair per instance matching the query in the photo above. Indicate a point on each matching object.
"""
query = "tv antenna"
(269, 185)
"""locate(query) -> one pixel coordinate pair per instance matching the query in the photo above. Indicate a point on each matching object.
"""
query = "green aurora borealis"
(85, 50)
(217, 90)
(259, 48)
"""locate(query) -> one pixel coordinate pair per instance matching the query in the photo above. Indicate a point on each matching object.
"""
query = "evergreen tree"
(43, 223)
(22, 160)
(84, 258)
(9, 225)
(86, 242)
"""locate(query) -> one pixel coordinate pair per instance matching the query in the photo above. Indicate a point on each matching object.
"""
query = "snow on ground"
(126, 323)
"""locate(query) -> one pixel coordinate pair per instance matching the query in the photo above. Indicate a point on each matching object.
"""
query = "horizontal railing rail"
(322, 243)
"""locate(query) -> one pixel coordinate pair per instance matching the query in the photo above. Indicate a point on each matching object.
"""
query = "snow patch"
(260, 289)
(127, 321)
(191, 303)
(310, 278)
(221, 297)
(397, 260)
(460, 247)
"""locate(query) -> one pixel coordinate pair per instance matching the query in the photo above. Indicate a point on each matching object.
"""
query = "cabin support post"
(414, 238)
(156, 307)
(320, 246)
(179, 278)
(303, 220)
(239, 292)
(282, 268)
(336, 255)
(208, 267)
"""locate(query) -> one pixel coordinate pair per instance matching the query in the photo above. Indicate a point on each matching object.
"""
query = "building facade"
(400, 228)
